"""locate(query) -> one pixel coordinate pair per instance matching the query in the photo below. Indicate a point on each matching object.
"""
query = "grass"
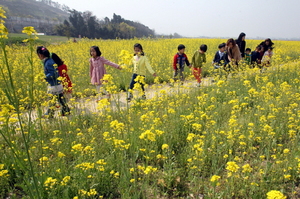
(47, 38)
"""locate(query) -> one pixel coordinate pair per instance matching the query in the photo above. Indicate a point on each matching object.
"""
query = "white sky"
(213, 18)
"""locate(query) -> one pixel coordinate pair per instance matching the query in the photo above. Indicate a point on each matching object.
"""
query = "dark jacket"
(51, 72)
(255, 57)
(242, 47)
(266, 47)
(180, 60)
(221, 60)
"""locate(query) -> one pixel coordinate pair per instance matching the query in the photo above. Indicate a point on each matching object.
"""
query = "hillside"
(33, 9)
(52, 18)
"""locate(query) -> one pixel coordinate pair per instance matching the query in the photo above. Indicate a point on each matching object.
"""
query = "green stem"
(13, 96)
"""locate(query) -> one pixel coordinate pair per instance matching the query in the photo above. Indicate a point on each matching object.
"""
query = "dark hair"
(271, 48)
(98, 52)
(203, 47)
(270, 41)
(258, 47)
(57, 59)
(139, 46)
(248, 49)
(231, 41)
(181, 46)
(43, 51)
(241, 36)
(222, 45)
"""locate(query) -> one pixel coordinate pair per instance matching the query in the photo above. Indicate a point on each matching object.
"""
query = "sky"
(211, 18)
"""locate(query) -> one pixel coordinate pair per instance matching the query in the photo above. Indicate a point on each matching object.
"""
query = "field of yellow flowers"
(238, 138)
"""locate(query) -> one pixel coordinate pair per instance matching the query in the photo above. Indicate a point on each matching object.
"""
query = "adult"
(241, 43)
(266, 44)
(233, 51)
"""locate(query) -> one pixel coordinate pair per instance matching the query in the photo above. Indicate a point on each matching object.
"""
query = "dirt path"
(119, 100)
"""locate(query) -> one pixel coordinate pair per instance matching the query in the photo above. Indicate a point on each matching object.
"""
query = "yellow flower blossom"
(275, 195)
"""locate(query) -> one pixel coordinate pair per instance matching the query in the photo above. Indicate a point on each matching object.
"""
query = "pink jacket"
(97, 69)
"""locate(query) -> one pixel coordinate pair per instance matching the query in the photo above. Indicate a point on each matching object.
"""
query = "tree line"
(85, 24)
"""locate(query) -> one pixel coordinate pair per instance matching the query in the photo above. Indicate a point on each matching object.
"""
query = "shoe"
(129, 97)
(65, 111)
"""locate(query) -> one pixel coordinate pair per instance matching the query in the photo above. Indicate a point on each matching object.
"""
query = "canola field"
(238, 138)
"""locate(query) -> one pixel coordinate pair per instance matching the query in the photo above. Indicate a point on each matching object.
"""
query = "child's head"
(138, 49)
(258, 48)
(222, 47)
(57, 59)
(203, 48)
(181, 48)
(95, 51)
(248, 51)
(270, 48)
(230, 43)
(42, 52)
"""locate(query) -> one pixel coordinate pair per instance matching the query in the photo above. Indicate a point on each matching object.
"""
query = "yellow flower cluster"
(243, 127)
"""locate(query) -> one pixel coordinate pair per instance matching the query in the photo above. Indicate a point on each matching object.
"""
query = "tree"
(87, 25)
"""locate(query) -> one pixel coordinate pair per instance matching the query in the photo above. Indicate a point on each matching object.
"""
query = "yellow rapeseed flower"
(215, 178)
(232, 167)
(275, 195)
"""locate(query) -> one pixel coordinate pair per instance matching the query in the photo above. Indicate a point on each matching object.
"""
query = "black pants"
(133, 82)
(65, 110)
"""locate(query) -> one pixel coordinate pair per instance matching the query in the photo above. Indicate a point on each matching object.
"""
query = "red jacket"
(66, 81)
(180, 60)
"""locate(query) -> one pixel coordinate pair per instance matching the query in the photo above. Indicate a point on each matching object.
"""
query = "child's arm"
(107, 62)
(175, 62)
(149, 68)
(91, 68)
(50, 70)
(204, 58)
(193, 60)
(187, 61)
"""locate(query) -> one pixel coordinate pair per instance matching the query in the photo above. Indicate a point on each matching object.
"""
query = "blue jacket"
(51, 72)
(221, 60)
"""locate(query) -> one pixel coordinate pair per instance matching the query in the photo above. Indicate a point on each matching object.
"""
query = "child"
(180, 59)
(220, 58)
(54, 88)
(266, 60)
(248, 56)
(261, 54)
(255, 56)
(198, 59)
(140, 63)
(66, 81)
(97, 69)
